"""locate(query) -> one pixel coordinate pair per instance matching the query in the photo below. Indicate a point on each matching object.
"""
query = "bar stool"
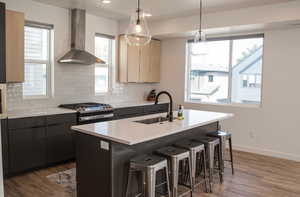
(148, 165)
(212, 144)
(197, 150)
(224, 136)
(175, 156)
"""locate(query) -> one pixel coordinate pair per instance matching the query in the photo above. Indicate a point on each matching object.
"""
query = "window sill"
(35, 97)
(102, 93)
(241, 105)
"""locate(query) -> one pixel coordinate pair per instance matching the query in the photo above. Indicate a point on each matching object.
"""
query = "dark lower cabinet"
(27, 149)
(60, 145)
(36, 142)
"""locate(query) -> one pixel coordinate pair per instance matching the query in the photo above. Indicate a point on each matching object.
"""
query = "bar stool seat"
(148, 165)
(212, 144)
(175, 156)
(197, 150)
(224, 136)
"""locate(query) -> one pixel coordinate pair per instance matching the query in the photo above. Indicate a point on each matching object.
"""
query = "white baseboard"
(267, 153)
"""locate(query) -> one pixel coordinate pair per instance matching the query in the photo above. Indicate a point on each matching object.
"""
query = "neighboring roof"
(211, 68)
(252, 61)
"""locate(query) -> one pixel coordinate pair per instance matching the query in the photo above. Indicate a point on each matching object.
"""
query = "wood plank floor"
(255, 176)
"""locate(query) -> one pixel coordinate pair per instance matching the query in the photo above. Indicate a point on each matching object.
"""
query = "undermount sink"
(153, 120)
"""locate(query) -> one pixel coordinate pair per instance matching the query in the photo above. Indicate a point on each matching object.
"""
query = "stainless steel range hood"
(77, 54)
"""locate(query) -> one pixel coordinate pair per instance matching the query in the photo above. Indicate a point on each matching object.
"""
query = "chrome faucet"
(170, 113)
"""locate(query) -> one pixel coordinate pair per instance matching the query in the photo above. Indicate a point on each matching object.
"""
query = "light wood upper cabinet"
(14, 46)
(133, 64)
(139, 64)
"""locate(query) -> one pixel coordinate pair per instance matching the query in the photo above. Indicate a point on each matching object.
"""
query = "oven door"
(95, 117)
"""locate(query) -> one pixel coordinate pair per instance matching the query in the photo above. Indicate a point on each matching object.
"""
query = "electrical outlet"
(251, 134)
(104, 145)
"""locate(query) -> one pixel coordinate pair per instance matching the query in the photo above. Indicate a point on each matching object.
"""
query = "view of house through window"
(37, 62)
(225, 71)
(104, 49)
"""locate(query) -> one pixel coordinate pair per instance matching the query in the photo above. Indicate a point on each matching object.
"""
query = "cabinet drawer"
(62, 119)
(31, 122)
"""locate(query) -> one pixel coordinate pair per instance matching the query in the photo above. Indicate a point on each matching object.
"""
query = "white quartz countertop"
(23, 113)
(37, 112)
(126, 131)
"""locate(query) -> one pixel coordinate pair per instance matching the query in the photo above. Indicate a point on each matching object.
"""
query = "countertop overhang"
(127, 131)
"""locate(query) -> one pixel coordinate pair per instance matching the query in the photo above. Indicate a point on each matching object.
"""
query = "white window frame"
(108, 64)
(187, 91)
(48, 62)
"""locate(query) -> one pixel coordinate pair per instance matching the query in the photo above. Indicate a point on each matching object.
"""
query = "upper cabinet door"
(145, 63)
(122, 60)
(133, 64)
(14, 46)
(139, 64)
(155, 52)
(2, 44)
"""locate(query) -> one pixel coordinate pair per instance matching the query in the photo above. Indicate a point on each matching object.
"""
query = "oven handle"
(96, 117)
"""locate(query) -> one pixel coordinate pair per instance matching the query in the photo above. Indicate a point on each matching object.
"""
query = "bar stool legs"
(231, 156)
(224, 136)
(148, 165)
(175, 156)
(198, 159)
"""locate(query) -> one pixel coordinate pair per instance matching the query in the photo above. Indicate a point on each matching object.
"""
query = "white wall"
(271, 129)
(227, 21)
(72, 83)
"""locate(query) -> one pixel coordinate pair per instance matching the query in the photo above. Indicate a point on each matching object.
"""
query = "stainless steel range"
(91, 112)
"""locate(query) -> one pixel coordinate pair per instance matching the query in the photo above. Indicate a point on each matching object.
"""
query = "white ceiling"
(160, 9)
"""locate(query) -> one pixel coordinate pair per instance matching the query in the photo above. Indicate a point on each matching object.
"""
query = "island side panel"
(93, 167)
(121, 154)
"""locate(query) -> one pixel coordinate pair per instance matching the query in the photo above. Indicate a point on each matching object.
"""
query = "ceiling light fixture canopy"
(200, 35)
(106, 1)
(138, 33)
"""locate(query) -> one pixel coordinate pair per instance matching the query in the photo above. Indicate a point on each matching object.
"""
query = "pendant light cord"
(200, 26)
(138, 12)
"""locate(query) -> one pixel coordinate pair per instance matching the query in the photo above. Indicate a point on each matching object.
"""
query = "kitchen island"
(103, 150)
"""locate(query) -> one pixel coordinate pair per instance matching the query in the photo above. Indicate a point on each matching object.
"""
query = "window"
(210, 78)
(37, 60)
(225, 70)
(104, 49)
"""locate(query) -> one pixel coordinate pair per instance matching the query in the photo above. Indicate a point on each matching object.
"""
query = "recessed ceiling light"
(106, 1)
(147, 14)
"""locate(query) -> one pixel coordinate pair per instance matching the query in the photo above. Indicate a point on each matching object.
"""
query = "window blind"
(37, 61)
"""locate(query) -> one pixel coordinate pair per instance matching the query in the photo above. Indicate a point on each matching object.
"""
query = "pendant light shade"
(200, 35)
(138, 33)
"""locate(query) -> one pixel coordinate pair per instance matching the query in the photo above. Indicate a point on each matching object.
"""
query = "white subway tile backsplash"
(76, 84)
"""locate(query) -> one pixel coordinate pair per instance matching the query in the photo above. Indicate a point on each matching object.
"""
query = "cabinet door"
(14, 46)
(122, 60)
(60, 145)
(133, 63)
(2, 44)
(155, 51)
(145, 75)
(5, 153)
(27, 148)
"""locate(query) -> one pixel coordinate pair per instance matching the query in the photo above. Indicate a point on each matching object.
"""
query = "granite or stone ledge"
(38, 112)
(127, 131)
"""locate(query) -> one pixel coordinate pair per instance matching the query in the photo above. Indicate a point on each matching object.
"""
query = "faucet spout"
(170, 113)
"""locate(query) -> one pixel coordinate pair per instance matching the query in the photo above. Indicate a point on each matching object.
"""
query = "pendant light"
(200, 35)
(138, 33)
